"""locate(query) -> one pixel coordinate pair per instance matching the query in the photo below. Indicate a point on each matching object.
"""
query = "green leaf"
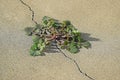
(34, 47)
(50, 22)
(45, 22)
(41, 45)
(45, 18)
(86, 45)
(56, 25)
(32, 52)
(65, 42)
(36, 53)
(35, 38)
(37, 48)
(66, 23)
(73, 47)
(53, 23)
(77, 37)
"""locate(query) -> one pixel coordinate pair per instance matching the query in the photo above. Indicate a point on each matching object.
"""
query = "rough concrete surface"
(99, 18)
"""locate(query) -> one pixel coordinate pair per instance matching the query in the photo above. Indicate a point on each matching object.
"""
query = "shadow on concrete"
(87, 36)
(51, 49)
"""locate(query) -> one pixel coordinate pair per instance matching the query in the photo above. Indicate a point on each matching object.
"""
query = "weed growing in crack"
(64, 34)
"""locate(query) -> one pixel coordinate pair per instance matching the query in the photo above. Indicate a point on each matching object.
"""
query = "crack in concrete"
(75, 62)
(33, 14)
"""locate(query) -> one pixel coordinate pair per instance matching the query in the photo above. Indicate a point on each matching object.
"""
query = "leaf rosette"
(51, 30)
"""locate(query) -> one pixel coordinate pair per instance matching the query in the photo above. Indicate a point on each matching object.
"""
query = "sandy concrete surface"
(99, 18)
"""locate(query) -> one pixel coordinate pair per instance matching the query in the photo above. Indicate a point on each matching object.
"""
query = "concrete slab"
(99, 18)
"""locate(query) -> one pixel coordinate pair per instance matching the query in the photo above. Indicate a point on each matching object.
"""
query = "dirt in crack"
(76, 64)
